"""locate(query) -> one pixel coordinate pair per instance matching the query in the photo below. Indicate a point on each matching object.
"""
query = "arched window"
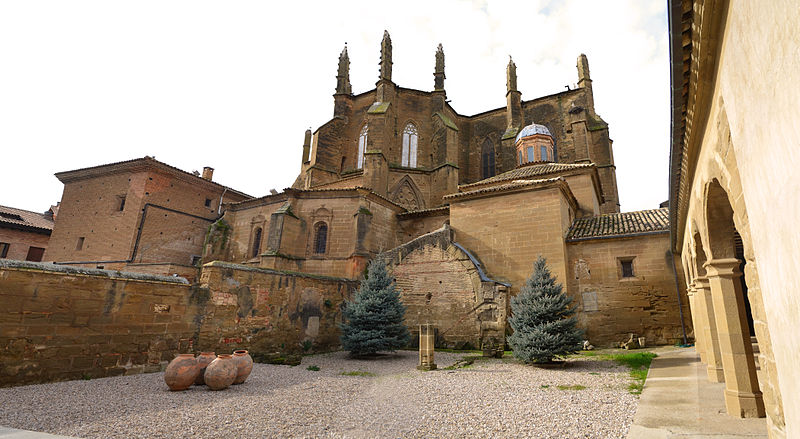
(320, 238)
(410, 137)
(362, 146)
(487, 159)
(256, 242)
(543, 150)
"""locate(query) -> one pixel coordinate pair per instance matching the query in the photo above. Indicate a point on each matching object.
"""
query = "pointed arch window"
(320, 238)
(410, 138)
(487, 159)
(362, 146)
(256, 243)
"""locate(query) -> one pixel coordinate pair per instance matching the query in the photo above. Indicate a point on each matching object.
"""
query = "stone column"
(709, 328)
(699, 341)
(742, 395)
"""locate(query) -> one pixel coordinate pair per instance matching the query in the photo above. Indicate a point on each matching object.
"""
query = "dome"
(532, 129)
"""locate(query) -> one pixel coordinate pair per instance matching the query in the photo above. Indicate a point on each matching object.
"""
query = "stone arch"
(405, 193)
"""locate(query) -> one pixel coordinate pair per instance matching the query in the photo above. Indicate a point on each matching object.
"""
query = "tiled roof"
(516, 184)
(13, 217)
(530, 171)
(620, 224)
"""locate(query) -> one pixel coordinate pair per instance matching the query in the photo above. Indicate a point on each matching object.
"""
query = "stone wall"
(61, 323)
(269, 311)
(439, 284)
(611, 306)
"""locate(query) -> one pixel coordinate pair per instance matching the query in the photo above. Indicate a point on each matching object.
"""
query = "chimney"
(208, 173)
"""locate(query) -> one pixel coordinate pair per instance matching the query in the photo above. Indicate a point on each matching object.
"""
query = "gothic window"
(543, 150)
(487, 159)
(256, 242)
(410, 137)
(320, 238)
(362, 146)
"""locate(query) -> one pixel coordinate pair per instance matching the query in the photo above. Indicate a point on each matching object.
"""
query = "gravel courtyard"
(492, 398)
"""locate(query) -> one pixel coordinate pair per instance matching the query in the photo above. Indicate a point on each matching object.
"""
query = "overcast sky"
(233, 85)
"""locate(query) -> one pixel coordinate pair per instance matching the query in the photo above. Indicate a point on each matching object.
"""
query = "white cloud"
(234, 85)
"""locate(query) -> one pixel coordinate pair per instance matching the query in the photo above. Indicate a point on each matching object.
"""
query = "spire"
(438, 72)
(583, 70)
(306, 145)
(386, 57)
(343, 75)
(511, 75)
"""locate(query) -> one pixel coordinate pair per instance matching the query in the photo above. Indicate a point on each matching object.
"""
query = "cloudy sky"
(233, 85)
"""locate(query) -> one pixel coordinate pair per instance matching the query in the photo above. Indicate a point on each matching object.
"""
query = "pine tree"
(543, 322)
(374, 320)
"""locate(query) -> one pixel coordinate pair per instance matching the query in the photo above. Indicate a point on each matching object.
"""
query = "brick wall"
(21, 241)
(611, 306)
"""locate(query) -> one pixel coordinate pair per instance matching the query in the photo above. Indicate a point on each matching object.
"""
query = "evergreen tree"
(543, 322)
(374, 320)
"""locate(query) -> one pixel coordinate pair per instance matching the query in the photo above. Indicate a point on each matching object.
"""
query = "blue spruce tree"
(542, 319)
(374, 320)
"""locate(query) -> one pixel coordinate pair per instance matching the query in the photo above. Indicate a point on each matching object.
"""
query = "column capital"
(728, 267)
(701, 283)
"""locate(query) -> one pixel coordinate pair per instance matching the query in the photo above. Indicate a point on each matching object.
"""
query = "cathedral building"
(462, 205)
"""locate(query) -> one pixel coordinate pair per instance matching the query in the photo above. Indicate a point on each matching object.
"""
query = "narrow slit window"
(79, 245)
(487, 159)
(256, 242)
(362, 146)
(409, 150)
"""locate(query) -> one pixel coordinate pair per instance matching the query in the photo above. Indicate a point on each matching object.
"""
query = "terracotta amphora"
(244, 365)
(203, 360)
(221, 372)
(181, 372)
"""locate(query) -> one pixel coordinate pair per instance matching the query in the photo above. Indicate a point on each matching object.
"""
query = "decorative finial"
(343, 74)
(438, 72)
(511, 75)
(386, 56)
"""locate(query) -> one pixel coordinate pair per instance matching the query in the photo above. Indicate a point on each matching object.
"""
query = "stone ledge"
(112, 274)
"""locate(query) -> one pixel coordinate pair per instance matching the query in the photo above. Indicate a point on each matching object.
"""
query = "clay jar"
(221, 372)
(244, 365)
(203, 360)
(181, 372)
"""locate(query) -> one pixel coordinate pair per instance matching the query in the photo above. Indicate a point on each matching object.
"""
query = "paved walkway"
(678, 401)
(13, 433)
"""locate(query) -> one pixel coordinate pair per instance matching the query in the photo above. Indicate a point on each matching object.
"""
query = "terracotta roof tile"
(529, 171)
(620, 224)
(10, 216)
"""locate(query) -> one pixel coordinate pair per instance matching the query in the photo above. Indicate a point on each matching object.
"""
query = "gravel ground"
(498, 398)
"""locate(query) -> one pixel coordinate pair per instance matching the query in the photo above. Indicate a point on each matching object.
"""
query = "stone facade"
(734, 160)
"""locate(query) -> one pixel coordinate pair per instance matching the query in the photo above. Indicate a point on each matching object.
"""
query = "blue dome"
(532, 129)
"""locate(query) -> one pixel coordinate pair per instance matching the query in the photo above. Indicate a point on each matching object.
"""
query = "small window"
(531, 158)
(487, 159)
(4, 246)
(208, 202)
(195, 260)
(256, 243)
(627, 267)
(101, 267)
(320, 238)
(79, 245)
(35, 254)
(520, 158)
(544, 153)
(120, 203)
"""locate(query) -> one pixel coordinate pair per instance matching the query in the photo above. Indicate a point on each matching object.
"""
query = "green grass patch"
(594, 373)
(637, 362)
(545, 386)
(313, 367)
(358, 373)
(575, 387)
